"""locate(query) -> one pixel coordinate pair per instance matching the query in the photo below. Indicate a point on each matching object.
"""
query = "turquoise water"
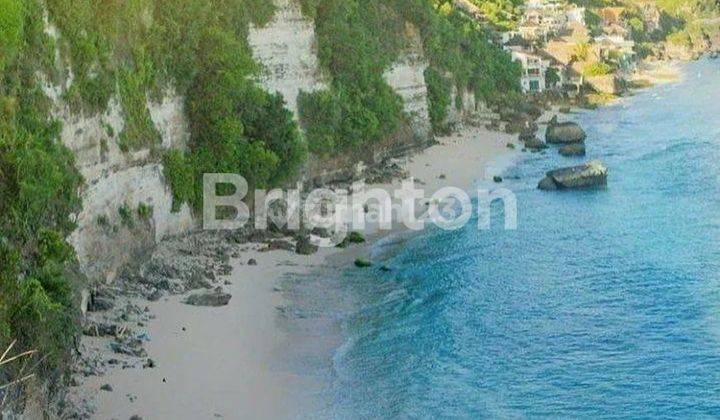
(603, 303)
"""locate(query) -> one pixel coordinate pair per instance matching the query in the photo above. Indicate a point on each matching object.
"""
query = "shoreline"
(207, 362)
(210, 361)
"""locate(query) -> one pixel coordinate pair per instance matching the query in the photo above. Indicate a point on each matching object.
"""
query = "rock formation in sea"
(591, 174)
(564, 133)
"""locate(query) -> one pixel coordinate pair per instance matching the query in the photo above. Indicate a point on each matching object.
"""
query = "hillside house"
(534, 68)
(575, 15)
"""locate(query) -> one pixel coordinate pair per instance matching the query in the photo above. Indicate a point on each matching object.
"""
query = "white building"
(575, 15)
(534, 68)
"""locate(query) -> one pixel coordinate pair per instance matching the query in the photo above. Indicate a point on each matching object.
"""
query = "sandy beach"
(230, 361)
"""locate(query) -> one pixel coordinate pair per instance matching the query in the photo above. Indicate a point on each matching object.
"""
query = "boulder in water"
(362, 263)
(592, 174)
(564, 133)
(575, 149)
(535, 143)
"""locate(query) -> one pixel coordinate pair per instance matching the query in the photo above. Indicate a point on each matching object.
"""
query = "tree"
(552, 78)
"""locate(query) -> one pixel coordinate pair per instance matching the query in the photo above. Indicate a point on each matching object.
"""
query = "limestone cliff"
(286, 49)
(119, 182)
(114, 180)
(407, 78)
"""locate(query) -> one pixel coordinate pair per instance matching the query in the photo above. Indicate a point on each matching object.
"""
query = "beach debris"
(591, 174)
(362, 263)
(575, 149)
(252, 261)
(564, 133)
(214, 298)
(497, 179)
(106, 387)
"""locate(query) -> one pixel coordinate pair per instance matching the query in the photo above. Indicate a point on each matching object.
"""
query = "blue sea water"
(603, 303)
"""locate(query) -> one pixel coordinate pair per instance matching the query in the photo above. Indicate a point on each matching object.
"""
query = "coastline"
(241, 355)
(210, 361)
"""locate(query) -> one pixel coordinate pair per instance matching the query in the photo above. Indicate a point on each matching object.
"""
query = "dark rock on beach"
(564, 133)
(100, 329)
(592, 174)
(132, 347)
(213, 298)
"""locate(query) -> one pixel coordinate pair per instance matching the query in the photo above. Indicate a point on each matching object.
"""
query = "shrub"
(358, 41)
(126, 216)
(145, 211)
(439, 93)
(11, 30)
(597, 69)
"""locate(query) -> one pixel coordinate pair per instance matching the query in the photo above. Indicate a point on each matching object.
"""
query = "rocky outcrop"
(608, 83)
(286, 48)
(592, 174)
(564, 133)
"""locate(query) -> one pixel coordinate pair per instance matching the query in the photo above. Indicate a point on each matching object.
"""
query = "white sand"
(228, 361)
(657, 72)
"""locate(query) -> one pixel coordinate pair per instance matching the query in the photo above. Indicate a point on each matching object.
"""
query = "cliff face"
(111, 231)
(105, 238)
(286, 49)
(407, 78)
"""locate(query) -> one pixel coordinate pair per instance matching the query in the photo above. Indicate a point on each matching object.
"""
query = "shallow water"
(602, 303)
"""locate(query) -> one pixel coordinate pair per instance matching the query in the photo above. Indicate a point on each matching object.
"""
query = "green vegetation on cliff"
(360, 39)
(38, 193)
(137, 49)
(133, 50)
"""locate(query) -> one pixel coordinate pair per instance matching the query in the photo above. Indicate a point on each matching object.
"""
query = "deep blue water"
(603, 303)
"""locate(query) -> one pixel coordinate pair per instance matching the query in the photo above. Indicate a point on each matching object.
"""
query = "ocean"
(603, 303)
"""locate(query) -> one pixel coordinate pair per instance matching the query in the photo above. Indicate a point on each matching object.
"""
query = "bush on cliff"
(357, 41)
(360, 39)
